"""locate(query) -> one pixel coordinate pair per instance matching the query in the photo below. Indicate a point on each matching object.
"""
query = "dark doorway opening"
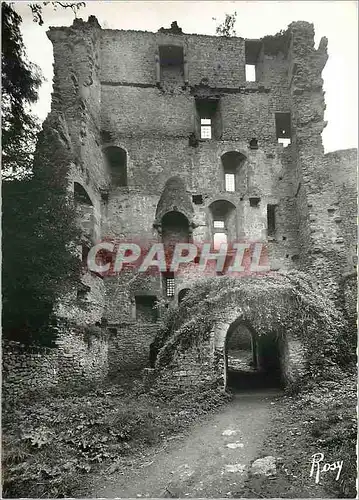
(252, 361)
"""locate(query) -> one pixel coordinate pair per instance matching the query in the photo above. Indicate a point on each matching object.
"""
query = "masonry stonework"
(140, 95)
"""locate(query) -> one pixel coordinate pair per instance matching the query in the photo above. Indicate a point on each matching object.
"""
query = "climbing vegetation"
(281, 304)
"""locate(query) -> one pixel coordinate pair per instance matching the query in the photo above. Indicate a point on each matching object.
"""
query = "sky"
(337, 20)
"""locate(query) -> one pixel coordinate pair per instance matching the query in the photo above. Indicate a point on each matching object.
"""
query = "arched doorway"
(252, 361)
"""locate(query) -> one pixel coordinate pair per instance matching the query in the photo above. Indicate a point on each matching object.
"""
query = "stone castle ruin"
(172, 140)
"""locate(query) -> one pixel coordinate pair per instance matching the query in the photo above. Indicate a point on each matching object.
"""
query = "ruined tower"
(172, 138)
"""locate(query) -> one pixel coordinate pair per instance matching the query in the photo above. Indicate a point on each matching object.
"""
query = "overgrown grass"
(330, 413)
(321, 419)
(52, 444)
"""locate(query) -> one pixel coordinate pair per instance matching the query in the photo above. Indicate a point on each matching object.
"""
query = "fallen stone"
(229, 432)
(265, 466)
(235, 468)
(235, 445)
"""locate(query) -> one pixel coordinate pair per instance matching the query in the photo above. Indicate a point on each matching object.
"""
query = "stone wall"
(129, 346)
(205, 361)
(80, 358)
(292, 361)
(111, 92)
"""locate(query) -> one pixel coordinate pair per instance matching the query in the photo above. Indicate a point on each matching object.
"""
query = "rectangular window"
(271, 220)
(285, 142)
(146, 311)
(254, 202)
(218, 224)
(197, 199)
(206, 128)
(283, 128)
(207, 119)
(230, 182)
(252, 59)
(250, 73)
(171, 65)
(171, 55)
(170, 287)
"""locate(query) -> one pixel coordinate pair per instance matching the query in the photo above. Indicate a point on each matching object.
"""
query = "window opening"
(218, 224)
(206, 128)
(208, 118)
(117, 163)
(254, 202)
(146, 311)
(230, 182)
(250, 73)
(283, 128)
(197, 199)
(169, 284)
(271, 220)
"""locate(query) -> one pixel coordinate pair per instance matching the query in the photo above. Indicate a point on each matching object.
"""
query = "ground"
(210, 460)
(123, 440)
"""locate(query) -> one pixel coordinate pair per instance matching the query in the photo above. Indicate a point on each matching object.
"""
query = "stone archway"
(264, 365)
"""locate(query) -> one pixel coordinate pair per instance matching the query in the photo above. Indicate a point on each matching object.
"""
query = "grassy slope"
(321, 418)
(51, 445)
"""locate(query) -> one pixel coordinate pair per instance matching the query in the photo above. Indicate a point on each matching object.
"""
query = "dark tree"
(36, 8)
(39, 227)
(20, 83)
(227, 27)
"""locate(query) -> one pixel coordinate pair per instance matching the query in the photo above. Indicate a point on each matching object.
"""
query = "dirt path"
(211, 460)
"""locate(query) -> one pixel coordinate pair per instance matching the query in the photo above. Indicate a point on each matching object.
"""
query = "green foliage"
(20, 84)
(39, 229)
(330, 413)
(39, 239)
(321, 419)
(50, 446)
(280, 304)
(227, 27)
(36, 9)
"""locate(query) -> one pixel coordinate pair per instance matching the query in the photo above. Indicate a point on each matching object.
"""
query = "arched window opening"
(116, 159)
(84, 209)
(175, 229)
(182, 294)
(224, 222)
(234, 175)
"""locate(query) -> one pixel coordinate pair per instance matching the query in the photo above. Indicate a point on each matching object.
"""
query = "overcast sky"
(337, 20)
